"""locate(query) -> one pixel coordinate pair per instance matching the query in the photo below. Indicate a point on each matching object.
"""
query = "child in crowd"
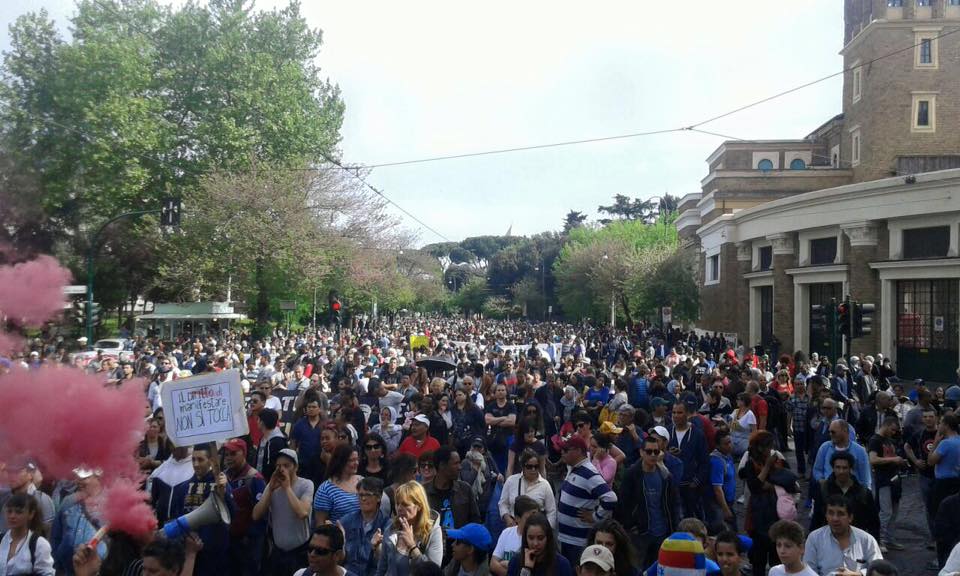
(789, 538)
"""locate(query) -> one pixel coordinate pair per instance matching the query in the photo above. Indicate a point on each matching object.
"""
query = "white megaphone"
(212, 511)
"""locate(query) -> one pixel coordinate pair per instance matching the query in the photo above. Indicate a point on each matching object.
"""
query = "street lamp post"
(91, 257)
(613, 301)
(543, 285)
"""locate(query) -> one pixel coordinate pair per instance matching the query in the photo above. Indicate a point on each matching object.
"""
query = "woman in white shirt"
(528, 482)
(23, 549)
(742, 424)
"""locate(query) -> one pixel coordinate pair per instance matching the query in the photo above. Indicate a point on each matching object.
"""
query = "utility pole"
(613, 308)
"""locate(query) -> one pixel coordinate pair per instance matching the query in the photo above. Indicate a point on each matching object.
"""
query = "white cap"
(421, 418)
(599, 555)
(661, 432)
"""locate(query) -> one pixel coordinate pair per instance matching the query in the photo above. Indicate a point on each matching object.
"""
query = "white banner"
(204, 408)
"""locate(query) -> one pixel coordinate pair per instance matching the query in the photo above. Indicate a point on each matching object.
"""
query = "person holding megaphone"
(206, 510)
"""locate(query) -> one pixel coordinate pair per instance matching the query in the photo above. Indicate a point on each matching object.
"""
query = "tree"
(145, 100)
(672, 283)
(271, 234)
(669, 204)
(625, 208)
(598, 265)
(572, 220)
(472, 296)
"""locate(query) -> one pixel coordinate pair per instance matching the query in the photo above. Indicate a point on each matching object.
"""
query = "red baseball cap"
(575, 442)
(235, 445)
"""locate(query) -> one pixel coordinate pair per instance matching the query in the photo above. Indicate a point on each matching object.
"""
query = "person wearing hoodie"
(272, 442)
(212, 559)
(414, 536)
(388, 428)
(168, 484)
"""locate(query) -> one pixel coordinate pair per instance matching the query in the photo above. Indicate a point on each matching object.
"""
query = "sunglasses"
(320, 551)
(652, 451)
(372, 447)
(531, 467)
(368, 495)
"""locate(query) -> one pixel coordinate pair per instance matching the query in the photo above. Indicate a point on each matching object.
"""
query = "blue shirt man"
(840, 439)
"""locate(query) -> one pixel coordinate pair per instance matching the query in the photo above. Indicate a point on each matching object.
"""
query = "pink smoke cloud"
(9, 343)
(64, 418)
(33, 291)
(124, 508)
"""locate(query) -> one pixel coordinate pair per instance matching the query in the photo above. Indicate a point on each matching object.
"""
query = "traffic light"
(335, 308)
(818, 319)
(170, 212)
(94, 313)
(863, 319)
(843, 317)
(78, 307)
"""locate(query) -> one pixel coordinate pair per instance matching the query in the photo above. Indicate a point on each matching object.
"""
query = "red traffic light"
(335, 306)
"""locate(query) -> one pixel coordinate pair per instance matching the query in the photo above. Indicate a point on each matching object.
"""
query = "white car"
(112, 347)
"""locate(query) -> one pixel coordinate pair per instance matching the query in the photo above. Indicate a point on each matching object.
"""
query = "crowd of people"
(513, 449)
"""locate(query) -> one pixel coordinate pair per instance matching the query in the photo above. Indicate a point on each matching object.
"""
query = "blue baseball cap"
(475, 534)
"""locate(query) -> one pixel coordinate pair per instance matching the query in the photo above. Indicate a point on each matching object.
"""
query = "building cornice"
(908, 24)
(760, 274)
(808, 172)
(933, 263)
(816, 269)
(860, 190)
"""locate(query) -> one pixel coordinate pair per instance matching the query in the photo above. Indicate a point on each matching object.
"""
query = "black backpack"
(32, 544)
(776, 416)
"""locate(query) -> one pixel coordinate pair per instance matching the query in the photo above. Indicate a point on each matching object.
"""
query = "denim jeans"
(926, 491)
(888, 502)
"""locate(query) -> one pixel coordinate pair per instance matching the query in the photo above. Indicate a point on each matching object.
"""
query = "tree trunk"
(262, 310)
(626, 309)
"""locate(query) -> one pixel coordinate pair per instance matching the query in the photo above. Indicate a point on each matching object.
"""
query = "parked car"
(109, 347)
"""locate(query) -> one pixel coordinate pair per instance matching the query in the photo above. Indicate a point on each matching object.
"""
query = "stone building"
(868, 204)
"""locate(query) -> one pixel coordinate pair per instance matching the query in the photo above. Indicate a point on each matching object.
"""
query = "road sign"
(667, 314)
(288, 305)
(75, 289)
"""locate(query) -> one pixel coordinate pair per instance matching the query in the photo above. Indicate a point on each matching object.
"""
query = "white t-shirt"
(508, 545)
(273, 403)
(781, 570)
(747, 420)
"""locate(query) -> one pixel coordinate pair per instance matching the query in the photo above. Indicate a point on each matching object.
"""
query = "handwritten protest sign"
(204, 408)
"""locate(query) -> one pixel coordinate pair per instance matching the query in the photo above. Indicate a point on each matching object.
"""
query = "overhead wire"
(695, 127)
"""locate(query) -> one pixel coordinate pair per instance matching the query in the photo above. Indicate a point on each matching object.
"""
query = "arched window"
(765, 165)
(798, 164)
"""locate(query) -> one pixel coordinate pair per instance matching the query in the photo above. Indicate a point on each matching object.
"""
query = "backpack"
(31, 544)
(786, 504)
(776, 417)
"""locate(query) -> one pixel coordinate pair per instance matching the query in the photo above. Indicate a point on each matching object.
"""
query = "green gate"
(928, 333)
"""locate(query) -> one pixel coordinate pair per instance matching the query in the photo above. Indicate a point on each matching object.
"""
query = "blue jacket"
(822, 469)
(356, 541)
(693, 454)
(639, 396)
(71, 528)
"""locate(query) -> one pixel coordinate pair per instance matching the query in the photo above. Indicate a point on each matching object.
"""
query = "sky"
(434, 78)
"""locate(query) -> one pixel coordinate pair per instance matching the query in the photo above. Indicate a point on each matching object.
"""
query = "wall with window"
(934, 236)
(906, 99)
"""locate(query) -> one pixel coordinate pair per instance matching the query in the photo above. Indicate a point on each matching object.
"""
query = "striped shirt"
(583, 489)
(336, 502)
